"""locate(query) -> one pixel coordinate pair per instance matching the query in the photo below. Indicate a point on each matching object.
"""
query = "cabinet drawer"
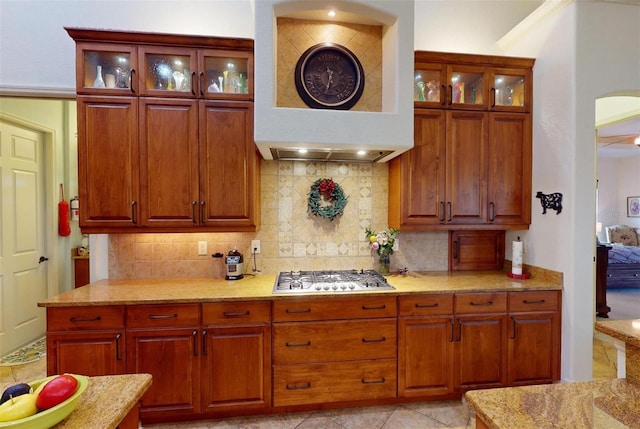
(360, 307)
(236, 313)
(425, 305)
(306, 342)
(145, 316)
(334, 382)
(481, 303)
(534, 301)
(79, 318)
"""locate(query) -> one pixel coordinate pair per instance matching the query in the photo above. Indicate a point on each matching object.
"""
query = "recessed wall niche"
(297, 35)
(382, 124)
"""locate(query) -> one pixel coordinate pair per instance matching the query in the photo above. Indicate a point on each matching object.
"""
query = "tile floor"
(423, 415)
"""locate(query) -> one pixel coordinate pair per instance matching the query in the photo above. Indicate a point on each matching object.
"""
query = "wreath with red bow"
(326, 199)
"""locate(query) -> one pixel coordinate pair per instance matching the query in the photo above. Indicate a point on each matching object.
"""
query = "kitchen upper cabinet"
(108, 162)
(509, 172)
(168, 162)
(472, 82)
(470, 167)
(441, 182)
(151, 157)
(162, 65)
(229, 167)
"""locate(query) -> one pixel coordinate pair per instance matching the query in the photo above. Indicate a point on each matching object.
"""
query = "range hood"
(336, 135)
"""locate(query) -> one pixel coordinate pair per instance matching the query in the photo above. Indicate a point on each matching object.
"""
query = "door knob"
(42, 259)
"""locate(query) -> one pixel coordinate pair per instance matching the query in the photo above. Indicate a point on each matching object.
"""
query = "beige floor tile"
(405, 418)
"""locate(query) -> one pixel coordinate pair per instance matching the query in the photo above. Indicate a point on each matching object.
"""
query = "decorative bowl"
(54, 415)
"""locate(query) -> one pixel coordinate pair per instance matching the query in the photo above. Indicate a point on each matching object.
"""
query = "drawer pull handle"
(482, 303)
(236, 314)
(378, 307)
(540, 301)
(163, 316)
(80, 319)
(307, 344)
(194, 334)
(427, 305)
(306, 310)
(378, 381)
(307, 385)
(118, 355)
(375, 340)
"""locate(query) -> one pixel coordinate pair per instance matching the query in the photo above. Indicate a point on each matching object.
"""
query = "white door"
(23, 277)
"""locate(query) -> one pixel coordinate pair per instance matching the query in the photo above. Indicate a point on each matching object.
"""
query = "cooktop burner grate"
(330, 281)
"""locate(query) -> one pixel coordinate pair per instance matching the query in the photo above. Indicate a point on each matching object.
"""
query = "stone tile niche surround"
(388, 126)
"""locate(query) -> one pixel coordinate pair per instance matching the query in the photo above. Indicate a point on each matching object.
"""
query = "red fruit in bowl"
(57, 390)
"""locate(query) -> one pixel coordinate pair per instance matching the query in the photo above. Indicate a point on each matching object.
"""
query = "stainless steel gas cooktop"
(330, 281)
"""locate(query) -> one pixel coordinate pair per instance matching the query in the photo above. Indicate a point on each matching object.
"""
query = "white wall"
(35, 50)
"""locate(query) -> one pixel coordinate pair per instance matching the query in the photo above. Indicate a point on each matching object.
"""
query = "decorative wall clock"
(329, 76)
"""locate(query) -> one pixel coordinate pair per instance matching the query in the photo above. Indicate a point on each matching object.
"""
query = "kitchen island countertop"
(600, 404)
(186, 290)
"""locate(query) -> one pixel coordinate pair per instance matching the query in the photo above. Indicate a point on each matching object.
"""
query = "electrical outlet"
(255, 246)
(202, 248)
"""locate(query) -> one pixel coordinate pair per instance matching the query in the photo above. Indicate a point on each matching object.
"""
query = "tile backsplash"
(290, 237)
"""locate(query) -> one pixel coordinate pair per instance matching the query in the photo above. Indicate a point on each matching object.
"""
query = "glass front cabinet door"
(168, 72)
(429, 88)
(466, 87)
(511, 90)
(106, 69)
(226, 75)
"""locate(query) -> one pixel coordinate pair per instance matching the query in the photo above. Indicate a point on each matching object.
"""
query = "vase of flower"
(385, 261)
(382, 242)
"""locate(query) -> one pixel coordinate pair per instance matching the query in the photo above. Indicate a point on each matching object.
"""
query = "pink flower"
(375, 245)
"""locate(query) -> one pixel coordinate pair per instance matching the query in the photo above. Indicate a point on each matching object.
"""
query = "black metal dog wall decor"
(550, 201)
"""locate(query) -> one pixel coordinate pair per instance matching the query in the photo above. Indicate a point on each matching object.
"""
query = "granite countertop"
(627, 331)
(185, 290)
(106, 402)
(602, 404)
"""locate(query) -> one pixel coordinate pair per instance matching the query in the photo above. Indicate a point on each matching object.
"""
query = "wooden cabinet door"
(471, 250)
(425, 356)
(172, 357)
(480, 351)
(108, 162)
(89, 353)
(168, 162)
(236, 368)
(417, 177)
(229, 167)
(467, 136)
(534, 343)
(509, 173)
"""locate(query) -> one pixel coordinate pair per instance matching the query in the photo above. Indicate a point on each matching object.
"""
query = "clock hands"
(329, 80)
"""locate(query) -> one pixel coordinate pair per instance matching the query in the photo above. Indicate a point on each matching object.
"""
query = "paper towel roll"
(516, 259)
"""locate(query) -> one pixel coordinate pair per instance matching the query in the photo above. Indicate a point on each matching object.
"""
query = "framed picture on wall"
(633, 206)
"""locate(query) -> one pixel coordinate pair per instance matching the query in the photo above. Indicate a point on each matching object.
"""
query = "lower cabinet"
(236, 361)
(250, 357)
(162, 340)
(534, 337)
(85, 340)
(331, 350)
(451, 343)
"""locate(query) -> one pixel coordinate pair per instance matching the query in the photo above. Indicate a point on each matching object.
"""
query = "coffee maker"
(235, 266)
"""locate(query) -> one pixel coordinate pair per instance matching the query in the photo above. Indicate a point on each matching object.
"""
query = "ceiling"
(616, 140)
